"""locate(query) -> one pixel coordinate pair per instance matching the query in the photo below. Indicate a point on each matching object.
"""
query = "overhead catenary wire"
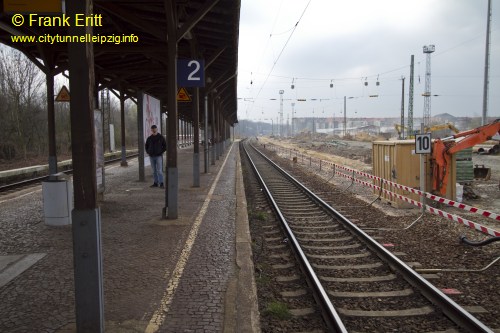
(338, 79)
(283, 49)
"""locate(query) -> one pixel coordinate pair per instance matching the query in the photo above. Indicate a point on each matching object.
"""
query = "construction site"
(474, 170)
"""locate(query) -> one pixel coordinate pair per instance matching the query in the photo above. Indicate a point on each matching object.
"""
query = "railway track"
(12, 187)
(358, 284)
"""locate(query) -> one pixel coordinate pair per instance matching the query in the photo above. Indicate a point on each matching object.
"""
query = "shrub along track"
(350, 271)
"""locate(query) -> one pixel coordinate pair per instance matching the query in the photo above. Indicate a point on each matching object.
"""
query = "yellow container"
(396, 161)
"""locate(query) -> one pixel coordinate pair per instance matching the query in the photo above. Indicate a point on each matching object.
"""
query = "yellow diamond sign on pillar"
(183, 96)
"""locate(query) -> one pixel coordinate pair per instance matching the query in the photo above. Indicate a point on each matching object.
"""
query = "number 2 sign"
(191, 72)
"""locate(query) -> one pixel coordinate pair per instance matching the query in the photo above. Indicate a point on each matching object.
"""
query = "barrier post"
(310, 161)
(319, 165)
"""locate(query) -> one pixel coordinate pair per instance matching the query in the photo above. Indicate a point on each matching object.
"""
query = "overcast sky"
(348, 42)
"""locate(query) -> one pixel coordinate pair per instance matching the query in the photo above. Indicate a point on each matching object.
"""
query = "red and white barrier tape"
(464, 206)
(436, 198)
(432, 210)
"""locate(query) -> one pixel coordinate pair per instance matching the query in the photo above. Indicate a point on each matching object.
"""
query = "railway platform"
(192, 274)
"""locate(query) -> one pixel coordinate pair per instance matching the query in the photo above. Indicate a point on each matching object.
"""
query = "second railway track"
(360, 286)
(26, 183)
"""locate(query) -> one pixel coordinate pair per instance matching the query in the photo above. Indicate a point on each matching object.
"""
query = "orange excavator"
(446, 147)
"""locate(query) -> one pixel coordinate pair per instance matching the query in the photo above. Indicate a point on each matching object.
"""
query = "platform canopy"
(209, 27)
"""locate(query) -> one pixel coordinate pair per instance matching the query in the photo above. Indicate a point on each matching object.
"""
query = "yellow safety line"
(159, 316)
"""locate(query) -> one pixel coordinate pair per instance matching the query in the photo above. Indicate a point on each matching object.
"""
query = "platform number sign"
(191, 72)
(423, 143)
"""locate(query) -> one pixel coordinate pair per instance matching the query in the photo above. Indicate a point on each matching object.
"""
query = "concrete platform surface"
(193, 274)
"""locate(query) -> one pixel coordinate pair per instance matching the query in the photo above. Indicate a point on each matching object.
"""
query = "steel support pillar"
(205, 134)
(184, 134)
(217, 130)
(86, 219)
(214, 138)
(140, 135)
(123, 162)
(165, 168)
(223, 133)
(196, 137)
(179, 131)
(172, 173)
(51, 123)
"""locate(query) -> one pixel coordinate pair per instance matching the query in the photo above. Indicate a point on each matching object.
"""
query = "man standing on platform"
(155, 147)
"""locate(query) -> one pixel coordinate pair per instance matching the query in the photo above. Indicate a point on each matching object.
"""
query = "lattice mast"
(428, 49)
(410, 98)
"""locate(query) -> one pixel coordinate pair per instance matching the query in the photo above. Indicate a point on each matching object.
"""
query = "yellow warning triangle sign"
(183, 96)
(63, 95)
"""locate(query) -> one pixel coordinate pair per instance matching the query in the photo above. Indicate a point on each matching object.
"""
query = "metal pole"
(51, 123)
(217, 131)
(422, 173)
(281, 113)
(212, 105)
(165, 168)
(402, 135)
(206, 148)
(196, 137)
(122, 126)
(345, 115)
(486, 67)
(140, 134)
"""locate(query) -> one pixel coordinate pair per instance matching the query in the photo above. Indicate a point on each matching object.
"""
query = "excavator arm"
(442, 127)
(445, 148)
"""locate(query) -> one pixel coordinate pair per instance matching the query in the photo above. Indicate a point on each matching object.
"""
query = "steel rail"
(329, 313)
(451, 309)
(10, 186)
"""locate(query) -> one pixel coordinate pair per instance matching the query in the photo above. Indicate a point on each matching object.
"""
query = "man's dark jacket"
(156, 145)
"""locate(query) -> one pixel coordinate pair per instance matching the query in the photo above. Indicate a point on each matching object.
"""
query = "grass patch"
(278, 310)
(262, 280)
(261, 216)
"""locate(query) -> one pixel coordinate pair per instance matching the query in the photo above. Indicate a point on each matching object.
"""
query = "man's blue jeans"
(157, 166)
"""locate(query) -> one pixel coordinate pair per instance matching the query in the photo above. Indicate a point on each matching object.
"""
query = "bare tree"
(22, 89)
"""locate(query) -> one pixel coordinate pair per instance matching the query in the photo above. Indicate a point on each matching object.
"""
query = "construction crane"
(442, 127)
(399, 129)
(444, 149)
